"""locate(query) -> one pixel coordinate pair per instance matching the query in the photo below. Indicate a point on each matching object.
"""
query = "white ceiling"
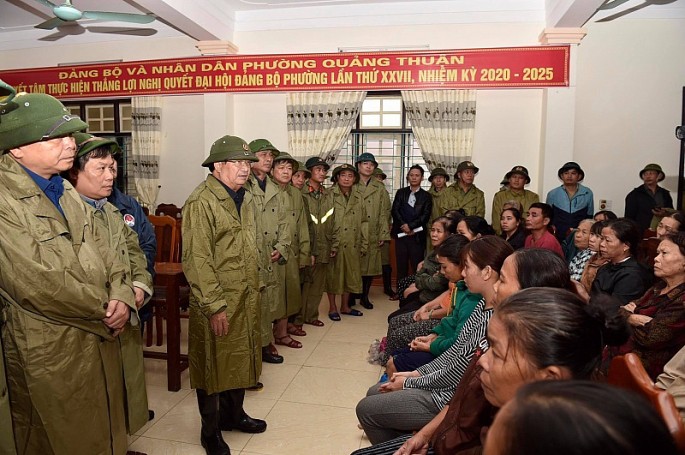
(219, 19)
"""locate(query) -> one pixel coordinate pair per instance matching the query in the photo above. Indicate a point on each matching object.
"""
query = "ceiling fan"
(611, 4)
(66, 13)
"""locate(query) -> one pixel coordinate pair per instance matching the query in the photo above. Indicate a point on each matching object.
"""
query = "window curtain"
(320, 122)
(146, 143)
(443, 122)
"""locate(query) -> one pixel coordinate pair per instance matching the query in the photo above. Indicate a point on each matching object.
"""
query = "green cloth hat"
(229, 148)
(86, 142)
(344, 167)
(285, 156)
(379, 171)
(654, 167)
(260, 145)
(439, 171)
(518, 170)
(316, 161)
(35, 117)
(366, 156)
(303, 168)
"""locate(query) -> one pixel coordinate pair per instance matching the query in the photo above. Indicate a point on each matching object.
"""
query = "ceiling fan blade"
(611, 4)
(47, 3)
(51, 23)
(123, 17)
(122, 31)
(623, 13)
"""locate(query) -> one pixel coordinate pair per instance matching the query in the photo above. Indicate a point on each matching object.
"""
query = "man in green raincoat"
(377, 203)
(344, 271)
(273, 243)
(220, 264)
(464, 194)
(65, 297)
(323, 240)
(93, 178)
(282, 171)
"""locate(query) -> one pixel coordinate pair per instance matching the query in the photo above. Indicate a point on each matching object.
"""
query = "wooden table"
(170, 275)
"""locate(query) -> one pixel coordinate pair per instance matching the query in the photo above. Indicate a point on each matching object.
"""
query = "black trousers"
(409, 249)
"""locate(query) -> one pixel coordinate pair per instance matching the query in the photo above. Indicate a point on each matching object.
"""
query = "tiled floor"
(308, 401)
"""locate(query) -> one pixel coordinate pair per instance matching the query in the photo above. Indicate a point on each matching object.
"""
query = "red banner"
(522, 67)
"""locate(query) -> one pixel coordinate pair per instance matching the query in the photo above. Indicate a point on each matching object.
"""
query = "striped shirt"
(441, 376)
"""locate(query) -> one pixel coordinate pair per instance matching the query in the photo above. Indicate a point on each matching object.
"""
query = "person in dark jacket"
(411, 210)
(571, 202)
(622, 277)
(648, 200)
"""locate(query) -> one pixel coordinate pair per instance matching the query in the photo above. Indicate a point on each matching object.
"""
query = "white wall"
(631, 75)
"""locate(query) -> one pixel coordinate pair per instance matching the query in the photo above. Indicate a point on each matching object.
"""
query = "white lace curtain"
(443, 122)
(146, 137)
(319, 122)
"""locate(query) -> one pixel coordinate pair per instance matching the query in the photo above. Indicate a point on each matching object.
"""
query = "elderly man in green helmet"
(273, 242)
(220, 263)
(464, 194)
(296, 219)
(377, 203)
(93, 178)
(65, 296)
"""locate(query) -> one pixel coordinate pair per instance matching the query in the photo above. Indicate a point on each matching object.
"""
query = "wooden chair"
(646, 251)
(626, 371)
(167, 232)
(170, 210)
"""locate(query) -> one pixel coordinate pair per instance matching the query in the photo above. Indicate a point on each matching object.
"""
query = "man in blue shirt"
(571, 202)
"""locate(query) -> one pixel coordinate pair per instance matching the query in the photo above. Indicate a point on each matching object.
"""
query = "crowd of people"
(486, 311)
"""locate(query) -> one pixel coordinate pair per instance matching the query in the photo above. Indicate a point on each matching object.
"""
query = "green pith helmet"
(654, 167)
(366, 156)
(34, 117)
(344, 167)
(285, 156)
(261, 145)
(303, 168)
(464, 165)
(86, 142)
(379, 171)
(518, 170)
(316, 161)
(439, 171)
(572, 165)
(229, 148)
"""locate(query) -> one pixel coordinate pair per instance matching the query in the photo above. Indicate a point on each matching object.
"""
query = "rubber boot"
(387, 281)
(366, 287)
(234, 417)
(210, 435)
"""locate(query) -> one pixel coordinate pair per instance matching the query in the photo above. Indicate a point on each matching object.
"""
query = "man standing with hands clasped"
(220, 263)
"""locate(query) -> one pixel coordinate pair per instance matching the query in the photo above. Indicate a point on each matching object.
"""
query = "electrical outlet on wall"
(605, 204)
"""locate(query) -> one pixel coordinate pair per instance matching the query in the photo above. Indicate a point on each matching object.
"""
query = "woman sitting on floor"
(535, 334)
(473, 227)
(410, 400)
(527, 268)
(512, 230)
(403, 328)
(427, 283)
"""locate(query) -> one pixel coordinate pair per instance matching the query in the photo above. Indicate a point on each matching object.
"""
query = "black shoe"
(210, 434)
(268, 357)
(247, 425)
(150, 414)
(257, 387)
(366, 303)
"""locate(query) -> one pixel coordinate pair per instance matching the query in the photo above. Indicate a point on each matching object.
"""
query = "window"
(111, 119)
(383, 129)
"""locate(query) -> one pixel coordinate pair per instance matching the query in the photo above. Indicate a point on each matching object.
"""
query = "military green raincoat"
(124, 241)
(377, 205)
(300, 253)
(442, 201)
(344, 271)
(525, 197)
(220, 264)
(272, 234)
(472, 201)
(64, 368)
